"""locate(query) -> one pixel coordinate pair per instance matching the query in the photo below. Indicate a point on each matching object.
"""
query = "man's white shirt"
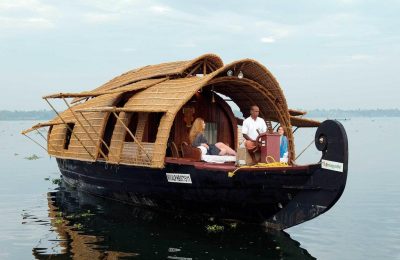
(250, 127)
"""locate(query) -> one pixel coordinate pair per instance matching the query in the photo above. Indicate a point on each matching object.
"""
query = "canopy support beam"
(44, 138)
(35, 142)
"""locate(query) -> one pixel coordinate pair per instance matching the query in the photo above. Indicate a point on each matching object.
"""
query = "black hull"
(280, 198)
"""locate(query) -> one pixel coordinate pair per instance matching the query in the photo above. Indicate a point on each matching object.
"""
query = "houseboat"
(128, 140)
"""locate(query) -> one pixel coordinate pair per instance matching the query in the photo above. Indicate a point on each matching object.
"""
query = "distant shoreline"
(6, 115)
(346, 114)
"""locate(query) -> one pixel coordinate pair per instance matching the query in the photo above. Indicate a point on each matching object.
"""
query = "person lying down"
(197, 139)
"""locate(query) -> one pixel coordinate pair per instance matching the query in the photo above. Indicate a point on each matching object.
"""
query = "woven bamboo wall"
(55, 145)
(85, 138)
(132, 154)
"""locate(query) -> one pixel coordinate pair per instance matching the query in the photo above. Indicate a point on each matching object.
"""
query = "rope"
(268, 164)
(304, 149)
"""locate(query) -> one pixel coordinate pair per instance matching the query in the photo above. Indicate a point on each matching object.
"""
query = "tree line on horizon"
(327, 113)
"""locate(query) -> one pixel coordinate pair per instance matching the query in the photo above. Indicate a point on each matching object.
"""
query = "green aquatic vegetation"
(78, 226)
(214, 228)
(72, 216)
(86, 214)
(32, 157)
(56, 181)
(58, 220)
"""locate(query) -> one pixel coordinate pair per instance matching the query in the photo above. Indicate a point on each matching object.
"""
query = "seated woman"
(197, 138)
(283, 143)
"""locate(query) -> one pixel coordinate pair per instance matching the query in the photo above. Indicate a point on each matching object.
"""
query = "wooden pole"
(44, 138)
(84, 129)
(195, 68)
(72, 132)
(210, 68)
(132, 135)
(94, 130)
(35, 142)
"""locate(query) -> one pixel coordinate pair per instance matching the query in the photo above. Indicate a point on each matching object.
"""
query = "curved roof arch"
(258, 87)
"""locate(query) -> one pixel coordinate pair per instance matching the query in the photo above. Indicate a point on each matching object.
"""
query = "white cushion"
(218, 158)
(203, 150)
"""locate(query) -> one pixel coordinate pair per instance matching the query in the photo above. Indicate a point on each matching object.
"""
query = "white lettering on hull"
(331, 165)
(179, 178)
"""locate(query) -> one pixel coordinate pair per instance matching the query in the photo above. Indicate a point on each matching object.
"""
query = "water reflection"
(84, 226)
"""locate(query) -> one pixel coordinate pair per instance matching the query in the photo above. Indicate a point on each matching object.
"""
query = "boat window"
(151, 129)
(132, 126)
(70, 128)
(144, 126)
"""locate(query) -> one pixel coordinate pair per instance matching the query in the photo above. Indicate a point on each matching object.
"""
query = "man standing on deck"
(252, 127)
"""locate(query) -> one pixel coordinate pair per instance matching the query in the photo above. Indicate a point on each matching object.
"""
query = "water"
(42, 219)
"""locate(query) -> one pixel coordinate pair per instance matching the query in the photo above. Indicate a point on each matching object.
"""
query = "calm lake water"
(40, 218)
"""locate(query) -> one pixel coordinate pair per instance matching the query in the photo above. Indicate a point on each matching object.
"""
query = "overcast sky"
(325, 54)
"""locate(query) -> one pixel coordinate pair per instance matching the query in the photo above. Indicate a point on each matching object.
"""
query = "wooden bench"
(189, 151)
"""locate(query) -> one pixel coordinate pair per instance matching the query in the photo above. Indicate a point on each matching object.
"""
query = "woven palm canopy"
(167, 87)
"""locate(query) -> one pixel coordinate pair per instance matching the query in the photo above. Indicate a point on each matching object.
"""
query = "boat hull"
(278, 197)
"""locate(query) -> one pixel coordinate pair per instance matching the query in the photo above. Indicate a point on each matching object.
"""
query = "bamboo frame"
(132, 135)
(195, 68)
(121, 89)
(72, 132)
(44, 138)
(94, 130)
(35, 142)
(37, 126)
(116, 109)
(84, 129)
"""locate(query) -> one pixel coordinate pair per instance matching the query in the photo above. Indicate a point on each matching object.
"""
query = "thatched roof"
(167, 87)
(169, 69)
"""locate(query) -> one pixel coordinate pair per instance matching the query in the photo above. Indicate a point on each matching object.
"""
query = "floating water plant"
(86, 214)
(32, 157)
(56, 181)
(78, 226)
